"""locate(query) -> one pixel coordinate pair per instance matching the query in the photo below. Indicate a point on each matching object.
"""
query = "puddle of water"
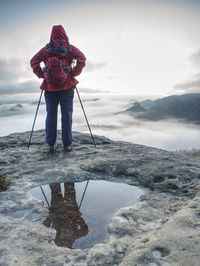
(80, 212)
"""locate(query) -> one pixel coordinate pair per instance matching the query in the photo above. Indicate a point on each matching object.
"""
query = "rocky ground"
(162, 229)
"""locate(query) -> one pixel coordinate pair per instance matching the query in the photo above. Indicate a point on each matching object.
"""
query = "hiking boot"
(68, 147)
(52, 147)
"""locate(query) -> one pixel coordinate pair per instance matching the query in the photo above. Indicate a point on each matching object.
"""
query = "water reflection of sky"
(101, 111)
(81, 219)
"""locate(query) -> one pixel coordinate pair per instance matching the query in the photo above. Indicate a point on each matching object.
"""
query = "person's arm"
(35, 63)
(80, 60)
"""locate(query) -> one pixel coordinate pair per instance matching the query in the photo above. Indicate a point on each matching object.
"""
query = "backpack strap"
(67, 68)
(69, 49)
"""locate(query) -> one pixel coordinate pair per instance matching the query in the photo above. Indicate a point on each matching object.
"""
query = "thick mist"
(103, 111)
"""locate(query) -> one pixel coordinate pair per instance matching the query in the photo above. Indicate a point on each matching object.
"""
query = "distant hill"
(185, 106)
(137, 107)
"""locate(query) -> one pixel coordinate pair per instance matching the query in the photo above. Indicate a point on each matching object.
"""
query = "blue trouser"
(53, 98)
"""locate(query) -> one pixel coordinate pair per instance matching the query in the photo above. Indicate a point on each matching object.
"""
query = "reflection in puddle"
(65, 215)
(80, 212)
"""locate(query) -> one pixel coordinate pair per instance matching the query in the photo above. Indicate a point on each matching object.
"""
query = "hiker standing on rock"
(58, 83)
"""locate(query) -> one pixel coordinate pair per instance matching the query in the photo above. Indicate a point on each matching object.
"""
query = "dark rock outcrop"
(184, 107)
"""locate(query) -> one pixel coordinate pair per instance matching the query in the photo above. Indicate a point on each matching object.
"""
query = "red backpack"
(55, 71)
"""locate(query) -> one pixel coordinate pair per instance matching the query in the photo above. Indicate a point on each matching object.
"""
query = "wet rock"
(162, 229)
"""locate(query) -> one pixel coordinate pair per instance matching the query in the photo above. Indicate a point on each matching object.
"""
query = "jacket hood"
(58, 33)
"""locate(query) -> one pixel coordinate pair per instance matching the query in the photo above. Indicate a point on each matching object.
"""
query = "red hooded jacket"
(58, 33)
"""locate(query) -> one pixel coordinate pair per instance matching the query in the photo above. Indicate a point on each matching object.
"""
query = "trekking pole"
(45, 197)
(35, 119)
(85, 117)
(83, 194)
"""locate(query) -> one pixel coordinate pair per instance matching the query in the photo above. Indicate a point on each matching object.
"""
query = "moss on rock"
(4, 183)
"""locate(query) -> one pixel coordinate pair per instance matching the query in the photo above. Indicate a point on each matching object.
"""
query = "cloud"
(164, 134)
(9, 69)
(119, 33)
(22, 87)
(94, 66)
(13, 69)
(192, 85)
(123, 32)
(111, 77)
(88, 90)
(195, 58)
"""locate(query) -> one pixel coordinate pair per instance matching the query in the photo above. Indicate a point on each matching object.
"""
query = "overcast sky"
(132, 47)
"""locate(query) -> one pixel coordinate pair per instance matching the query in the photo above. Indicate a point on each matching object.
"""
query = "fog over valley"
(107, 118)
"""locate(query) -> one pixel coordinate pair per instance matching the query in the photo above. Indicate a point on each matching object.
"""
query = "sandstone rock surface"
(162, 229)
